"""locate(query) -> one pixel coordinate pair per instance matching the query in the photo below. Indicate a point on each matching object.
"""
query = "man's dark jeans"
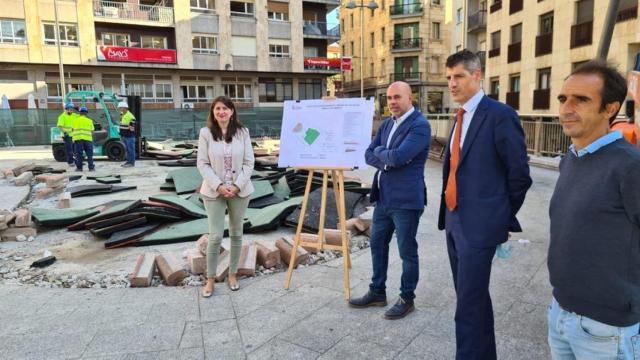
(130, 146)
(68, 148)
(86, 147)
(405, 223)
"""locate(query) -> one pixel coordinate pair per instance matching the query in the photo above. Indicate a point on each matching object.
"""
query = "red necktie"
(451, 193)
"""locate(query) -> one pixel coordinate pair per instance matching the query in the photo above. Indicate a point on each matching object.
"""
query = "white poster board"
(326, 133)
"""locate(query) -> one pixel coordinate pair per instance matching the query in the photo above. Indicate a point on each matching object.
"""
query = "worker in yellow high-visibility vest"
(83, 139)
(65, 124)
(128, 133)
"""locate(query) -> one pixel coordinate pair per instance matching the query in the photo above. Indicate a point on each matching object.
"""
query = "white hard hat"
(123, 104)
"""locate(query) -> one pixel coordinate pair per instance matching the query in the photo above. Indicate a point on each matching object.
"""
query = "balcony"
(367, 83)
(544, 44)
(515, 6)
(495, 97)
(132, 13)
(320, 30)
(409, 77)
(581, 34)
(477, 21)
(494, 52)
(514, 52)
(405, 10)
(403, 45)
(513, 99)
(541, 99)
(627, 14)
(497, 5)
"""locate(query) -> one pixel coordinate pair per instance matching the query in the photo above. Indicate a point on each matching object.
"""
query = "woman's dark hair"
(234, 123)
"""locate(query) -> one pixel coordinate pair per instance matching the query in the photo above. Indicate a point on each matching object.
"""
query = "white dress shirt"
(469, 110)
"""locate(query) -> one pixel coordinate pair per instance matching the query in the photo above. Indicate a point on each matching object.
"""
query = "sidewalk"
(311, 320)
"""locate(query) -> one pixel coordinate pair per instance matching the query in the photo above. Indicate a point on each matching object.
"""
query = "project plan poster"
(326, 133)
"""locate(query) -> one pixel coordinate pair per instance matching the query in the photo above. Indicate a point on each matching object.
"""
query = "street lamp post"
(352, 5)
(60, 59)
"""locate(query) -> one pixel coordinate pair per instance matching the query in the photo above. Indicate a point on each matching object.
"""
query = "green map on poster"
(311, 136)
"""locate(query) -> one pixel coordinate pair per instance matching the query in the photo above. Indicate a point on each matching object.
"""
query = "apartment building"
(172, 53)
(467, 21)
(534, 44)
(404, 40)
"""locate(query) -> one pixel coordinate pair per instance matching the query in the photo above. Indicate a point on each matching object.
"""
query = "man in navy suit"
(399, 152)
(485, 179)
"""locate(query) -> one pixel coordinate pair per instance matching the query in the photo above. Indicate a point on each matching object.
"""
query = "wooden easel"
(337, 176)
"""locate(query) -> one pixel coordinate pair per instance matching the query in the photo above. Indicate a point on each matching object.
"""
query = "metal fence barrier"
(32, 127)
(544, 134)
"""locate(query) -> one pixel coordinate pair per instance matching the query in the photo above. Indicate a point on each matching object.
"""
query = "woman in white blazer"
(225, 161)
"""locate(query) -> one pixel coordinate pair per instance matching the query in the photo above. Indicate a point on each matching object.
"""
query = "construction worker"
(128, 133)
(65, 124)
(627, 125)
(83, 138)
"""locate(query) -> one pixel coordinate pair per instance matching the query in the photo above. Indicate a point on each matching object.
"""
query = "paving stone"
(279, 349)
(145, 338)
(262, 325)
(352, 348)
(55, 344)
(218, 307)
(432, 348)
(222, 340)
(192, 336)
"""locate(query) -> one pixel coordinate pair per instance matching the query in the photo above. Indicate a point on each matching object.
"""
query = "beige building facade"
(404, 40)
(532, 45)
(173, 53)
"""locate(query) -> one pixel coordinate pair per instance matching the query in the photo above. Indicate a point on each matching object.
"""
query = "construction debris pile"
(175, 215)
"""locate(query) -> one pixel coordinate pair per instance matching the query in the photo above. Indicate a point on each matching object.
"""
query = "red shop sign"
(320, 61)
(128, 54)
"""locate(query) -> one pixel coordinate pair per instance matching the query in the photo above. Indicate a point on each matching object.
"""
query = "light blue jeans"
(576, 337)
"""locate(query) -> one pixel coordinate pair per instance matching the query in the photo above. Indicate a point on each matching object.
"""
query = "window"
(204, 44)
(373, 39)
(434, 102)
(577, 64)
(202, 5)
(435, 2)
(382, 5)
(243, 46)
(153, 42)
(514, 83)
(310, 51)
(12, 32)
(435, 30)
(544, 78)
(516, 33)
(352, 49)
(238, 92)
(434, 65)
(351, 17)
(196, 93)
(164, 92)
(495, 40)
(495, 87)
(240, 8)
(382, 35)
(278, 16)
(111, 39)
(54, 90)
(344, 48)
(584, 11)
(342, 26)
(372, 69)
(310, 89)
(279, 51)
(275, 90)
(68, 35)
(459, 15)
(383, 67)
(546, 23)
(13, 75)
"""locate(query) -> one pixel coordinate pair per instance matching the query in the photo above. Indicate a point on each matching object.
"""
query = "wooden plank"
(267, 253)
(23, 217)
(197, 261)
(247, 263)
(171, 269)
(222, 269)
(11, 234)
(143, 272)
(286, 247)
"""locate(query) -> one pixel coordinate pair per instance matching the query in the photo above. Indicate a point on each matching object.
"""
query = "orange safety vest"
(630, 132)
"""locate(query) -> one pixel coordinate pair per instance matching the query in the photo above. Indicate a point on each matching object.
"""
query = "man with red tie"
(485, 179)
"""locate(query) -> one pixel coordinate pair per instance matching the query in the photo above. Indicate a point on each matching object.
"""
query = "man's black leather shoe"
(399, 310)
(369, 299)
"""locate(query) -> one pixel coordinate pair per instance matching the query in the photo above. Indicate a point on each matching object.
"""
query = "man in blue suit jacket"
(399, 152)
(485, 179)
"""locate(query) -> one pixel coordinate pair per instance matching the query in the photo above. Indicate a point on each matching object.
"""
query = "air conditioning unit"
(188, 106)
